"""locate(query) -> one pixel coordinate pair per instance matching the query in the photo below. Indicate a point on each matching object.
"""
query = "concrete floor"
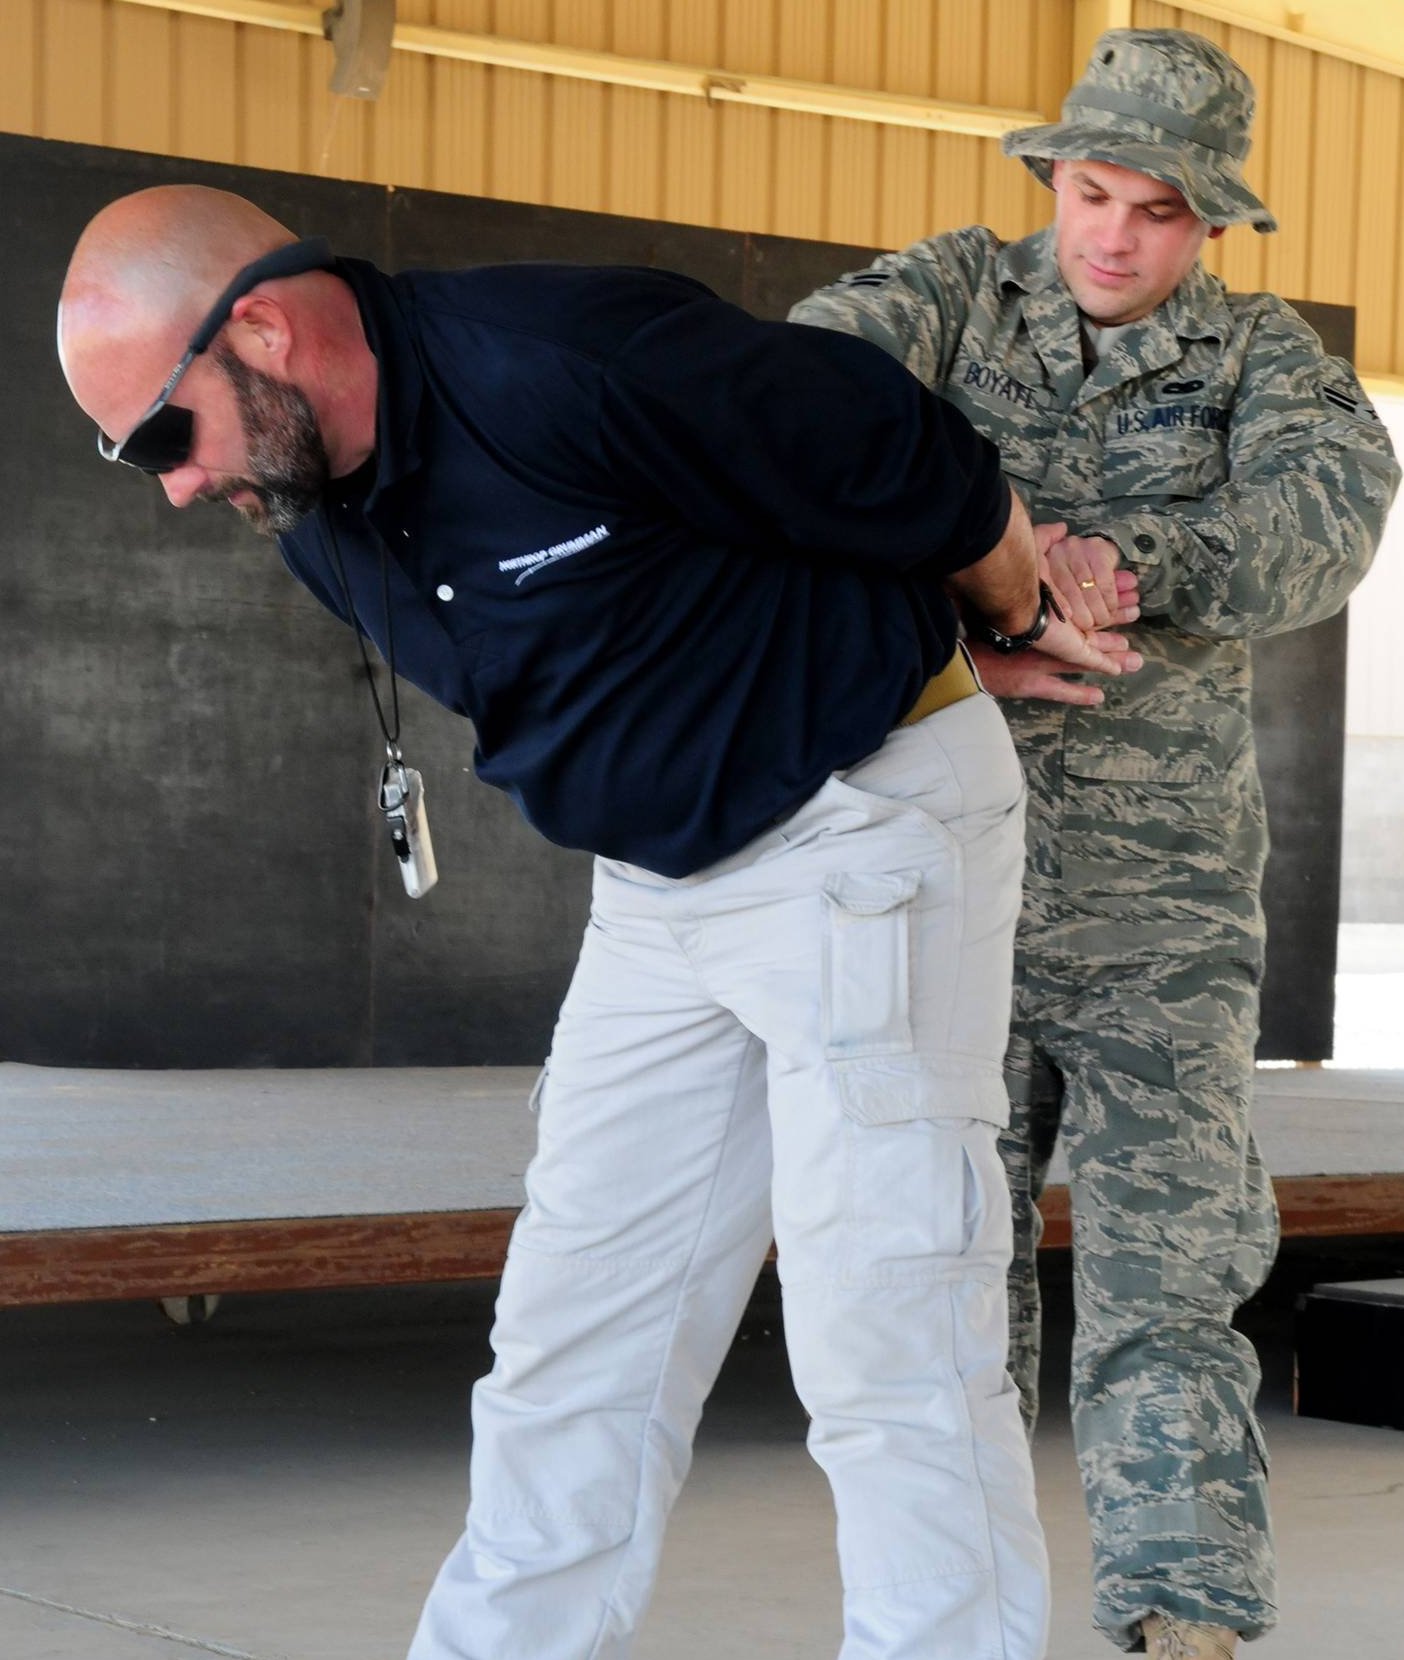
(280, 1484)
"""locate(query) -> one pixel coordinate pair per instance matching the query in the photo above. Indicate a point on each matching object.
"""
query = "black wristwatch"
(1008, 643)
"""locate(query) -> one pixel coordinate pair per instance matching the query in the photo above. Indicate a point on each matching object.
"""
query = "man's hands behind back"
(1094, 593)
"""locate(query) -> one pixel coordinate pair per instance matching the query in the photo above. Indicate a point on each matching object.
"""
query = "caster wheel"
(190, 1311)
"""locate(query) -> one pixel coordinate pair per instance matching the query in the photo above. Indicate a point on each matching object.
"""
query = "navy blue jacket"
(675, 564)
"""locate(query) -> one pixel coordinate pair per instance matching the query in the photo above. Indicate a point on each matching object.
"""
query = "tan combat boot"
(1171, 1639)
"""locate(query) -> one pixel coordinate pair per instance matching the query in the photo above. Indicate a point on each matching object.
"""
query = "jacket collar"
(400, 388)
(1197, 310)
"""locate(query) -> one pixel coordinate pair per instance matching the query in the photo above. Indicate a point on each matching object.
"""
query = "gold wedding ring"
(1087, 584)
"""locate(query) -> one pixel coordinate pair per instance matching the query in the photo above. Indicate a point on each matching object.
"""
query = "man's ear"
(1215, 232)
(264, 331)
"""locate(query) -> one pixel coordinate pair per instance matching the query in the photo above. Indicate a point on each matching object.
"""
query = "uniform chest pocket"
(1151, 461)
(1025, 452)
(1024, 431)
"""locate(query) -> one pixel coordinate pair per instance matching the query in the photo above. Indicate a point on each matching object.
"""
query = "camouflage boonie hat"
(1164, 103)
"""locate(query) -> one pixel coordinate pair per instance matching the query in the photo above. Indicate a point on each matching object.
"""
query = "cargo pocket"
(880, 1073)
(918, 1197)
(866, 971)
(1222, 1251)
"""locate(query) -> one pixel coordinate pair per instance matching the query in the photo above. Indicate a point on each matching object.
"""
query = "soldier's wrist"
(1140, 541)
(1144, 543)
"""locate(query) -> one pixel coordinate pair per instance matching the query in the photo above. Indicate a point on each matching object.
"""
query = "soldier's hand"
(1092, 586)
(1037, 674)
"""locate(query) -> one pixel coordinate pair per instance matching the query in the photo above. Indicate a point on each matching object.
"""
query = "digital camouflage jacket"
(1245, 478)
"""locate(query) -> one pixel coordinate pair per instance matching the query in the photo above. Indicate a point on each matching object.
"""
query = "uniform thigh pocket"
(866, 969)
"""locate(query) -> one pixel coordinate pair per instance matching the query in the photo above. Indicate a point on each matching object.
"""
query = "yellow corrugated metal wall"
(101, 72)
(1327, 156)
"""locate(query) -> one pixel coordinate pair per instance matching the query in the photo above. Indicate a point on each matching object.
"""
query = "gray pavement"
(280, 1484)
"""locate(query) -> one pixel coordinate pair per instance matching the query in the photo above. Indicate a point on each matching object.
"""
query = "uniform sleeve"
(913, 304)
(1284, 541)
(797, 439)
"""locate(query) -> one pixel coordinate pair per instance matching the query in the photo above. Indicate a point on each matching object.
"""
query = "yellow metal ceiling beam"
(1367, 32)
(1377, 30)
(715, 85)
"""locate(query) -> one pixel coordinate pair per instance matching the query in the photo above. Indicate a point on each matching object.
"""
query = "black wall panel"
(196, 876)
(1299, 721)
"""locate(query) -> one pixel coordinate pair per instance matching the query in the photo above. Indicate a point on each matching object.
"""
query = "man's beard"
(288, 465)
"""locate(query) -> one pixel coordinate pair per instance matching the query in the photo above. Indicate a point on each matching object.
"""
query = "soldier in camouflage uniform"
(1219, 477)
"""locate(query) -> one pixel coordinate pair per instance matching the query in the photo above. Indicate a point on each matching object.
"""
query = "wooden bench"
(167, 1184)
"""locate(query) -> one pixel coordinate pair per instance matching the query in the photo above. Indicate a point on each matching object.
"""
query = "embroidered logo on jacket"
(527, 564)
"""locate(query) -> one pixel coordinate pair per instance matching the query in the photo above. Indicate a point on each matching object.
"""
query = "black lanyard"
(392, 739)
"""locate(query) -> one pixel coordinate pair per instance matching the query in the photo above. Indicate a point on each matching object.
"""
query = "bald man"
(695, 580)
(143, 276)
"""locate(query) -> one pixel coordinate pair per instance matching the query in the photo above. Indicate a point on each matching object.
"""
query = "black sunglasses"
(162, 439)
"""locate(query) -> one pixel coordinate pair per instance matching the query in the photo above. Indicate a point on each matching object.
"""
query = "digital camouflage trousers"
(1145, 1071)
